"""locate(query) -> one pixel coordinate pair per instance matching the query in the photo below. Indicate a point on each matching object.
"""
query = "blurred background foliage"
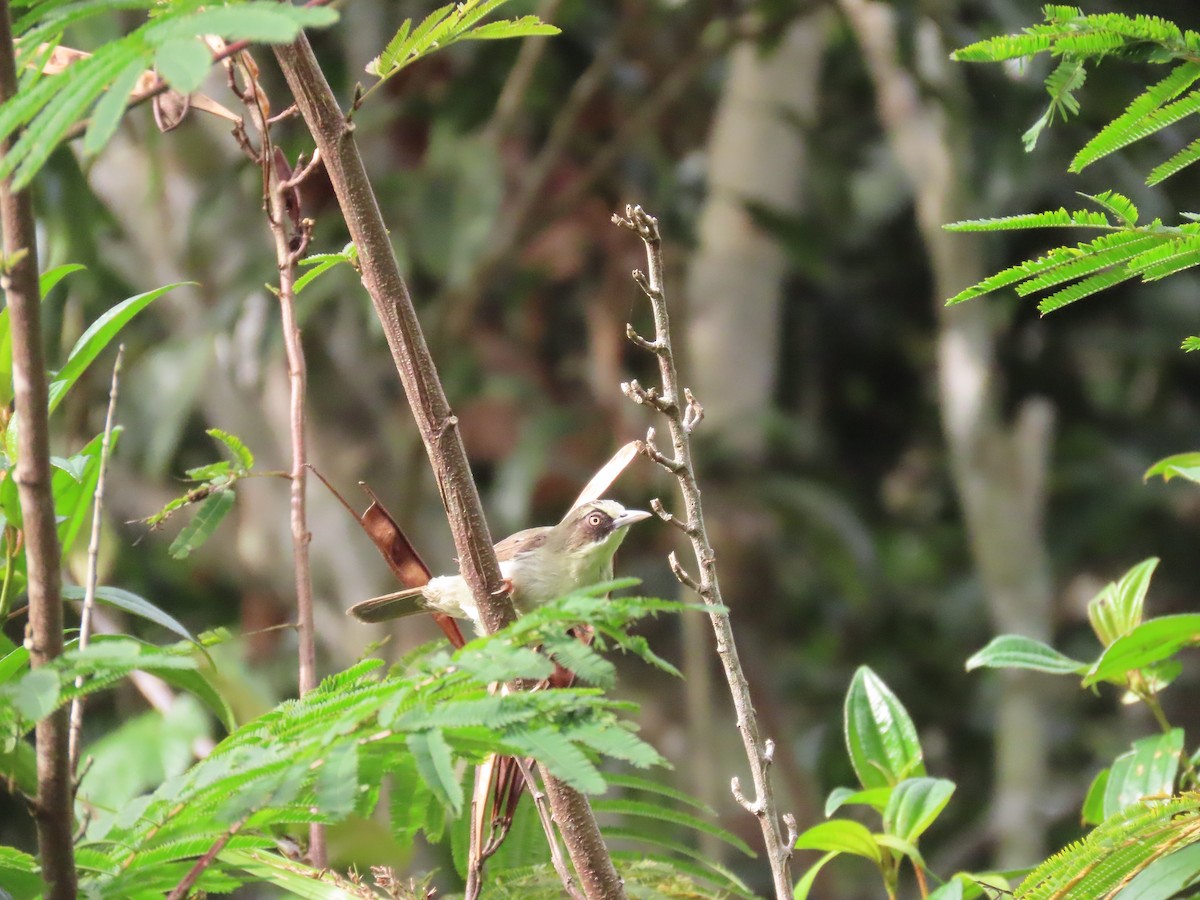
(834, 504)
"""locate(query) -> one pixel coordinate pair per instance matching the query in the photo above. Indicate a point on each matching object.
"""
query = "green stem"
(10, 554)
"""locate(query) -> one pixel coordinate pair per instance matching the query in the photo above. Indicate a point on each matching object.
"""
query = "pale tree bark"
(757, 155)
(999, 468)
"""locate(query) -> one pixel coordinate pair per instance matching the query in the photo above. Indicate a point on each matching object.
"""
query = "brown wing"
(522, 542)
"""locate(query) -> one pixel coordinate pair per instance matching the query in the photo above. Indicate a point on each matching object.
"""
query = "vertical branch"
(334, 136)
(44, 636)
(291, 235)
(93, 557)
(683, 413)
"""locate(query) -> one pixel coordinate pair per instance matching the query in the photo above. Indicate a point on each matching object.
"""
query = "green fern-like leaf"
(1120, 131)
(1093, 284)
(1058, 218)
(1093, 259)
(1104, 144)
(1177, 163)
(1115, 851)
(1117, 204)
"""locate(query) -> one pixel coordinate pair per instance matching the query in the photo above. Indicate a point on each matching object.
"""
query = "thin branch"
(547, 819)
(291, 235)
(334, 137)
(681, 421)
(93, 557)
(181, 890)
(44, 634)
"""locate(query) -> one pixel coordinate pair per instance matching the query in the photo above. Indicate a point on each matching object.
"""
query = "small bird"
(541, 564)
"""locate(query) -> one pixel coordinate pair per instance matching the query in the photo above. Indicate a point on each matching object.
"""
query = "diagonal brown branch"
(45, 632)
(334, 137)
(683, 414)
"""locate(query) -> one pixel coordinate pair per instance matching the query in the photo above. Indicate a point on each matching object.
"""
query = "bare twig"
(181, 890)
(334, 136)
(93, 556)
(44, 635)
(681, 419)
(291, 235)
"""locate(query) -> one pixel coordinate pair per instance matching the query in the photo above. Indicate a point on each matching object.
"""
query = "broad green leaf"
(74, 467)
(97, 337)
(804, 885)
(951, 890)
(1153, 640)
(13, 662)
(1092, 812)
(901, 846)
(183, 63)
(1148, 770)
(880, 736)
(73, 499)
(51, 277)
(876, 798)
(1186, 465)
(434, 762)
(842, 836)
(1015, 651)
(914, 805)
(111, 109)
(203, 524)
(127, 601)
(1165, 878)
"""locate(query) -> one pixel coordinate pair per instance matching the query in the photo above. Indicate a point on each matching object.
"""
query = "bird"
(540, 564)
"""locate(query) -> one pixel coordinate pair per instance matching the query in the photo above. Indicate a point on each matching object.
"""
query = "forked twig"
(683, 413)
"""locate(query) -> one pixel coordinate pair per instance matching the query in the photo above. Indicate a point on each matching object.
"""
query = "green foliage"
(447, 25)
(1111, 855)
(1128, 250)
(47, 107)
(214, 492)
(1077, 40)
(886, 754)
(1149, 252)
(326, 756)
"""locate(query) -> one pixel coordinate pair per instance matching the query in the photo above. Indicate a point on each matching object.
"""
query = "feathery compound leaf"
(561, 757)
(658, 812)
(526, 26)
(1095, 256)
(1175, 164)
(1058, 218)
(1005, 46)
(1091, 285)
(1117, 204)
(1167, 259)
(1113, 135)
(1135, 131)
(1116, 850)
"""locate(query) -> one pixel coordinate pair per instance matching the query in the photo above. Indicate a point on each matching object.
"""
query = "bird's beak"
(629, 517)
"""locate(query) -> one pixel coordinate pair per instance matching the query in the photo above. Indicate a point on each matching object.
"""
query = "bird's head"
(596, 528)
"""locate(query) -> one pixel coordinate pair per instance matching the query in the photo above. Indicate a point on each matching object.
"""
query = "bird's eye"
(595, 519)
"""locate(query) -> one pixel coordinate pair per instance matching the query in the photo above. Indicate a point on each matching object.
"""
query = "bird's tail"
(390, 606)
